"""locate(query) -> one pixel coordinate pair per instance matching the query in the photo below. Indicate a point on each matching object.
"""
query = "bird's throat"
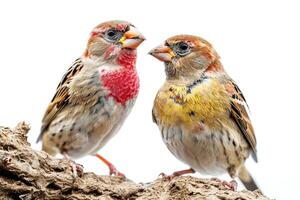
(123, 84)
(127, 58)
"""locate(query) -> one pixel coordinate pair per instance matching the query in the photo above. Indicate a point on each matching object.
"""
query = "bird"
(201, 113)
(94, 96)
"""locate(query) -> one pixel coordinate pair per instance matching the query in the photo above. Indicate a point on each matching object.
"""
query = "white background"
(258, 43)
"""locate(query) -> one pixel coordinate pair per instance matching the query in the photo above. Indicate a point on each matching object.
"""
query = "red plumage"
(88, 110)
(123, 85)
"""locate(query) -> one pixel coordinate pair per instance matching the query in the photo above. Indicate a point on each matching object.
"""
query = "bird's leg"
(112, 169)
(177, 173)
(232, 185)
(76, 168)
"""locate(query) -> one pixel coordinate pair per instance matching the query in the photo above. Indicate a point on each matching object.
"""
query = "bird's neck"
(124, 57)
(215, 66)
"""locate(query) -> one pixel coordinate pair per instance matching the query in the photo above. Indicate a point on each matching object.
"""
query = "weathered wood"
(29, 174)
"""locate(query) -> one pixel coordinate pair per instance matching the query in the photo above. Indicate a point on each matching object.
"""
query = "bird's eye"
(182, 49)
(113, 35)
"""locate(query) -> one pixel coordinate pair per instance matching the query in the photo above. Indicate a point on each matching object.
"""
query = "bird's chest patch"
(123, 85)
(192, 108)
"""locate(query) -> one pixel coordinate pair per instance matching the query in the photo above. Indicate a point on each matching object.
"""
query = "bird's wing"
(61, 97)
(239, 114)
(153, 117)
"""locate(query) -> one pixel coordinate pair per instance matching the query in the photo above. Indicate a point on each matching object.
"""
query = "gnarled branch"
(29, 174)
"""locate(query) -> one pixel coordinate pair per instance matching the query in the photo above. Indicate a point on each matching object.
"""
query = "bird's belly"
(204, 152)
(116, 121)
(85, 131)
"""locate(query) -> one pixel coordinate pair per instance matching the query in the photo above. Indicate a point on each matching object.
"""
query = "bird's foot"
(232, 185)
(166, 177)
(112, 169)
(77, 169)
(175, 174)
(114, 172)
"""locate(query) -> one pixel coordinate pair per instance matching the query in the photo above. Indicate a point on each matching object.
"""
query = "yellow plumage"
(201, 112)
(204, 102)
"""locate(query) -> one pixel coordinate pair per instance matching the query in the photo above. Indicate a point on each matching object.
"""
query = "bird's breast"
(122, 85)
(204, 103)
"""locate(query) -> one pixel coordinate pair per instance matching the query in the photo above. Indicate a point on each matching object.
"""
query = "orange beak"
(163, 53)
(132, 38)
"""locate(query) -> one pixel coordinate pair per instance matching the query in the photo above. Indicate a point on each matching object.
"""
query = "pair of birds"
(200, 111)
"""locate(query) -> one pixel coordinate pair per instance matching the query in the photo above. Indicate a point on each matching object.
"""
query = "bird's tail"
(247, 179)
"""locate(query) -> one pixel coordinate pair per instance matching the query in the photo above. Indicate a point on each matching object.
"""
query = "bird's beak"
(163, 53)
(132, 38)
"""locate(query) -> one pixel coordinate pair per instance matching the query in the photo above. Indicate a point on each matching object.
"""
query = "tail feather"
(247, 179)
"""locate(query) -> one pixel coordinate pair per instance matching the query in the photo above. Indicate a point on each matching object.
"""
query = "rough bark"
(29, 174)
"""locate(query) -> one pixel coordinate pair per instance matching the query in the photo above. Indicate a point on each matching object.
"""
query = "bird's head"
(186, 56)
(110, 38)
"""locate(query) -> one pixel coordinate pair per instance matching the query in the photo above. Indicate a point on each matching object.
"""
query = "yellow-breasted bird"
(201, 112)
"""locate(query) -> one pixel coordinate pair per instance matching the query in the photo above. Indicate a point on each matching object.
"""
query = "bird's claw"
(114, 172)
(77, 169)
(177, 173)
(166, 177)
(112, 169)
(232, 185)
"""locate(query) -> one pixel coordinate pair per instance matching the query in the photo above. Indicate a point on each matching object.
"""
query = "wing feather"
(61, 96)
(239, 114)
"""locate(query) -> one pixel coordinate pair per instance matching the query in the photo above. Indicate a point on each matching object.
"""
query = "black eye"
(113, 35)
(183, 46)
(182, 49)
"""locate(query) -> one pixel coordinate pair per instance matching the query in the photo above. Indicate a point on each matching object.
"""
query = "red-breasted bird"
(201, 112)
(95, 95)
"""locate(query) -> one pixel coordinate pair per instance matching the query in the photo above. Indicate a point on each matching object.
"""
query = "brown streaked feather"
(61, 96)
(239, 114)
(72, 71)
